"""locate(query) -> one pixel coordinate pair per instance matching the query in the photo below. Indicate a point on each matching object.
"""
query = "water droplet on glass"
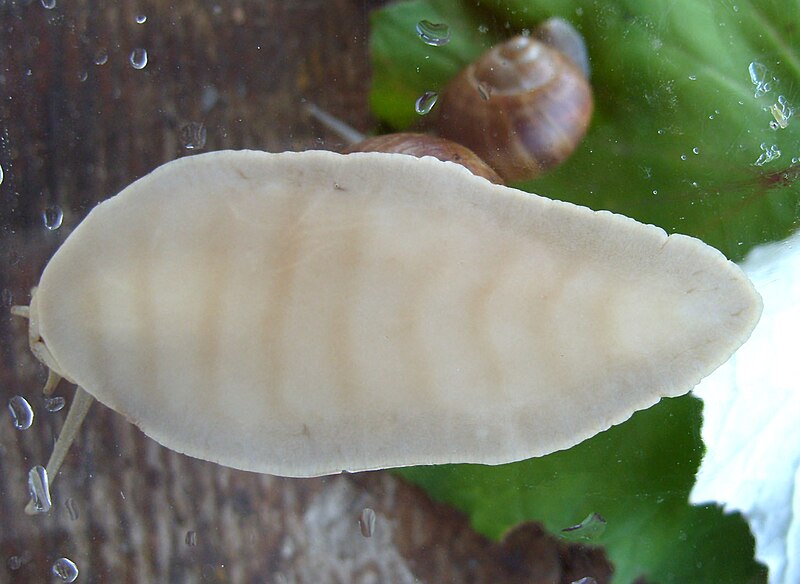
(209, 98)
(683, 157)
(655, 191)
(425, 102)
(139, 58)
(52, 216)
(433, 33)
(14, 563)
(193, 136)
(590, 528)
(65, 569)
(191, 538)
(49, 4)
(768, 154)
(483, 29)
(586, 580)
(758, 76)
(101, 57)
(21, 412)
(54, 404)
(695, 150)
(367, 522)
(72, 509)
(782, 112)
(484, 90)
(1, 175)
(141, 19)
(39, 488)
(692, 77)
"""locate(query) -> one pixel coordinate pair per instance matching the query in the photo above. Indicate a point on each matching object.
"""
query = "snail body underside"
(305, 313)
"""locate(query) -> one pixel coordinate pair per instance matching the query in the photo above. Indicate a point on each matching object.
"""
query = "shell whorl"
(523, 107)
(420, 145)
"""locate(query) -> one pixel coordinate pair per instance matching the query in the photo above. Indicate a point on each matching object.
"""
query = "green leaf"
(404, 67)
(674, 140)
(637, 476)
(677, 128)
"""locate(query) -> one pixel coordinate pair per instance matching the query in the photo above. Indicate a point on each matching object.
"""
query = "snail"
(522, 108)
(304, 313)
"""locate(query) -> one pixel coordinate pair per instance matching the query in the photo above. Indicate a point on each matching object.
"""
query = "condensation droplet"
(1, 175)
(72, 509)
(141, 19)
(484, 90)
(425, 102)
(758, 77)
(782, 112)
(65, 569)
(367, 522)
(695, 150)
(483, 29)
(139, 58)
(683, 157)
(692, 77)
(54, 404)
(14, 563)
(585, 580)
(101, 57)
(768, 154)
(590, 528)
(193, 136)
(21, 412)
(49, 4)
(39, 488)
(191, 538)
(433, 33)
(52, 216)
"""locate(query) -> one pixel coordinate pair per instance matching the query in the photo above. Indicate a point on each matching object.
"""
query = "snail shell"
(561, 35)
(420, 145)
(523, 107)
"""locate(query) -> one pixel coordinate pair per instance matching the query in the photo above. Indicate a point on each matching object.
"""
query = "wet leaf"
(637, 476)
(677, 129)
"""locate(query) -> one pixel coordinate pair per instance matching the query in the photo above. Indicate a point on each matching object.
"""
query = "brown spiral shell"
(420, 145)
(523, 107)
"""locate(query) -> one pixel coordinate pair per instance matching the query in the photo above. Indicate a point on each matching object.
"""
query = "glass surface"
(693, 130)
